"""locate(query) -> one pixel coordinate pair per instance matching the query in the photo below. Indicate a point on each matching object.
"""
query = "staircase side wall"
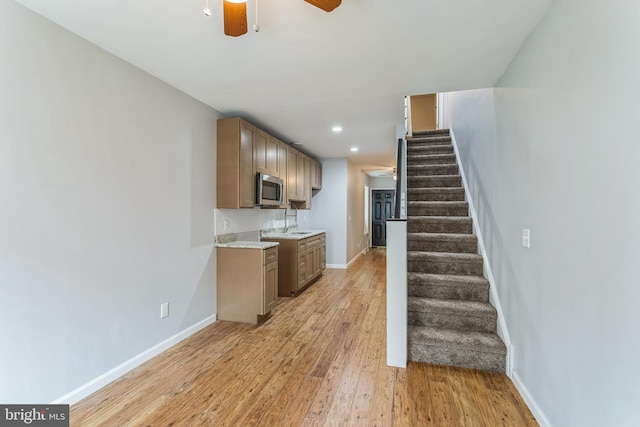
(563, 162)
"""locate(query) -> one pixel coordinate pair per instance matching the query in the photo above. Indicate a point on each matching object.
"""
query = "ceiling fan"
(235, 14)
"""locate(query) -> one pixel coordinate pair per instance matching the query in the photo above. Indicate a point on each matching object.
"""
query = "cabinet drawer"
(313, 241)
(302, 245)
(270, 255)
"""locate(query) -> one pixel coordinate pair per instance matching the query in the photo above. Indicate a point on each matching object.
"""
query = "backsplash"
(238, 221)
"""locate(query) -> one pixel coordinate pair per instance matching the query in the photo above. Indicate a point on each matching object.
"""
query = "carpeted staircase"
(450, 319)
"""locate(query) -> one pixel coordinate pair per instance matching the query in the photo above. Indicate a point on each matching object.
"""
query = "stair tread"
(432, 177)
(461, 257)
(436, 189)
(433, 166)
(440, 218)
(433, 156)
(449, 279)
(414, 144)
(437, 202)
(459, 307)
(484, 342)
(442, 236)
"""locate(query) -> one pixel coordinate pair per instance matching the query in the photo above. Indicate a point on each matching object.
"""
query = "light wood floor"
(319, 360)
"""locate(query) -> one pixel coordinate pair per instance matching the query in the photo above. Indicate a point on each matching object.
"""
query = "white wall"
(554, 148)
(107, 183)
(357, 239)
(329, 210)
(382, 183)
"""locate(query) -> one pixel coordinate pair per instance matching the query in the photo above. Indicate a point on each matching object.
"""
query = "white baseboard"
(530, 401)
(115, 373)
(362, 252)
(503, 332)
(337, 266)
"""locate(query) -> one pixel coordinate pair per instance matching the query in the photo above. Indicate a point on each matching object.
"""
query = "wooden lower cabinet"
(247, 282)
(301, 263)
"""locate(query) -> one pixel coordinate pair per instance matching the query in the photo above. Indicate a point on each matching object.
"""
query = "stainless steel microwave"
(268, 190)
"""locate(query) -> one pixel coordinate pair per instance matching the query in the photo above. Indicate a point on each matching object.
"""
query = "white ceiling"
(307, 70)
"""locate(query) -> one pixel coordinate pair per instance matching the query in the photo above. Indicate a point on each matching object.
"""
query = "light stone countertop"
(292, 235)
(246, 244)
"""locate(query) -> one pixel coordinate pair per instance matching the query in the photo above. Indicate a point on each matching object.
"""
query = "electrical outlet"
(526, 237)
(164, 310)
(226, 224)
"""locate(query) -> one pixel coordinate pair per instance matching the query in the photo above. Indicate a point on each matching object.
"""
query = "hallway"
(319, 360)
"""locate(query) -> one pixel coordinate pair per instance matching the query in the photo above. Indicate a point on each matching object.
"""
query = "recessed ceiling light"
(354, 149)
(337, 129)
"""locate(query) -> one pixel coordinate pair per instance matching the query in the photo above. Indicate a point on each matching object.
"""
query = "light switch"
(164, 310)
(526, 237)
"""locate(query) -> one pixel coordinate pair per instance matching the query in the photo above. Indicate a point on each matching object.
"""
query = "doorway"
(382, 207)
(424, 112)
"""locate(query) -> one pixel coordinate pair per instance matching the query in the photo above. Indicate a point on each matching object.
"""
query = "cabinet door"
(270, 287)
(302, 268)
(260, 151)
(282, 169)
(300, 184)
(247, 180)
(316, 175)
(317, 263)
(272, 165)
(323, 257)
(292, 174)
(310, 266)
(307, 182)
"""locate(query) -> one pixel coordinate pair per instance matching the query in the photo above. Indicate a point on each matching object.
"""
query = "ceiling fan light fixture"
(235, 17)
(326, 5)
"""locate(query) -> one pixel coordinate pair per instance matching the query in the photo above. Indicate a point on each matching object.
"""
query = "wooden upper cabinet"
(243, 150)
(235, 179)
(301, 183)
(273, 165)
(292, 174)
(282, 169)
(265, 153)
(316, 175)
(307, 182)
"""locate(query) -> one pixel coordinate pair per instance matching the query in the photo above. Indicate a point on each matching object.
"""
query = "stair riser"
(419, 170)
(458, 292)
(468, 247)
(436, 195)
(439, 226)
(441, 266)
(440, 159)
(429, 149)
(447, 321)
(433, 181)
(437, 211)
(469, 358)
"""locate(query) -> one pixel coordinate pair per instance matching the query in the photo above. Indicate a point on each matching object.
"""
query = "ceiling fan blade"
(326, 5)
(235, 18)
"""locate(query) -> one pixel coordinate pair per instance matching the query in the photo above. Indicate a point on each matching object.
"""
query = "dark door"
(382, 207)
